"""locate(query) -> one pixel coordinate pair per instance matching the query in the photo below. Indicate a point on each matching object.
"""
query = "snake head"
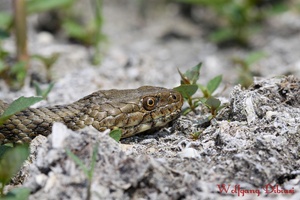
(133, 111)
(148, 108)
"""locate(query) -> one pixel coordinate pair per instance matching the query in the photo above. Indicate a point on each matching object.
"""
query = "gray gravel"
(253, 146)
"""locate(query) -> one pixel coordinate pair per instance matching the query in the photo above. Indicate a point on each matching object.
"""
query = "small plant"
(89, 34)
(13, 68)
(245, 73)
(235, 21)
(195, 135)
(48, 62)
(38, 6)
(189, 87)
(214, 105)
(42, 92)
(14, 74)
(88, 171)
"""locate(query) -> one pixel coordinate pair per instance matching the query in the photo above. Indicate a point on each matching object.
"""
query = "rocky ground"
(252, 146)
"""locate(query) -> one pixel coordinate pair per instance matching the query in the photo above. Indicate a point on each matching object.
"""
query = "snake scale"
(133, 111)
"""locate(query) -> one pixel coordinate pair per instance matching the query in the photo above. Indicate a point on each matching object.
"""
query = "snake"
(133, 111)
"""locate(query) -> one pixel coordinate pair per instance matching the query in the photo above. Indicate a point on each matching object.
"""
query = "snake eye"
(149, 103)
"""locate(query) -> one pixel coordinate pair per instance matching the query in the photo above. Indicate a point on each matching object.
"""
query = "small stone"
(41, 179)
(189, 153)
(59, 134)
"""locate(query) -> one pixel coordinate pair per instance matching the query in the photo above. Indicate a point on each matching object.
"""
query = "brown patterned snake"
(133, 111)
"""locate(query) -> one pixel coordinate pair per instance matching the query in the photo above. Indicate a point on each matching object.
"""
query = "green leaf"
(17, 194)
(5, 22)
(213, 84)
(193, 74)
(203, 90)
(3, 149)
(116, 134)
(38, 89)
(47, 90)
(18, 72)
(84, 168)
(279, 8)
(74, 29)
(3, 55)
(79, 162)
(40, 92)
(48, 61)
(3, 34)
(93, 162)
(184, 79)
(221, 107)
(221, 35)
(17, 106)
(213, 103)
(187, 90)
(34, 6)
(11, 162)
(2, 66)
(254, 57)
(205, 2)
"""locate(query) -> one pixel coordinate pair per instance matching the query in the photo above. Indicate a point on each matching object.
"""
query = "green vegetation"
(189, 87)
(14, 68)
(88, 171)
(245, 73)
(17, 106)
(42, 92)
(116, 134)
(89, 34)
(17, 194)
(12, 158)
(48, 62)
(235, 21)
(195, 135)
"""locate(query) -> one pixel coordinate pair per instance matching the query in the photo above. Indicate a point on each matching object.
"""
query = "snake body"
(133, 111)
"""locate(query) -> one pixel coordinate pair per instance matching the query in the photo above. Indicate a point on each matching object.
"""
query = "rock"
(245, 154)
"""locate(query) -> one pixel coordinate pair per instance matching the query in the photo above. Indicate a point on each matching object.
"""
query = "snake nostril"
(174, 97)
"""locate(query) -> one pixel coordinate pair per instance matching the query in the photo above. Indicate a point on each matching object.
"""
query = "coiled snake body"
(133, 111)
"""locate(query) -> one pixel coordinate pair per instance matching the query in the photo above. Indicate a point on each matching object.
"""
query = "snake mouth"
(150, 125)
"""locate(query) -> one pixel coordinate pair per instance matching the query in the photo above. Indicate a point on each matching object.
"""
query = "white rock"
(251, 115)
(41, 179)
(59, 134)
(189, 153)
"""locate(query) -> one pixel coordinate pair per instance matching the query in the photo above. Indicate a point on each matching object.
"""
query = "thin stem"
(21, 30)
(97, 4)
